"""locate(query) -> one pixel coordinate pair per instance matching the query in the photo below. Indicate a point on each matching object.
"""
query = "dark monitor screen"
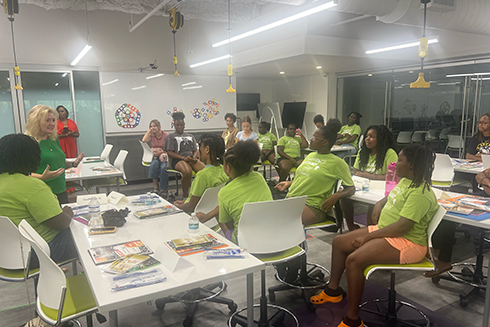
(407, 124)
(293, 112)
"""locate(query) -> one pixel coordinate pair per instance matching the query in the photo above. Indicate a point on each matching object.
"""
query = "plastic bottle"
(365, 186)
(193, 223)
(149, 199)
(94, 211)
(391, 179)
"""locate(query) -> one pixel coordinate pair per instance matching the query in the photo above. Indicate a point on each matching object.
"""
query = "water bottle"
(149, 199)
(193, 223)
(94, 211)
(391, 179)
(365, 186)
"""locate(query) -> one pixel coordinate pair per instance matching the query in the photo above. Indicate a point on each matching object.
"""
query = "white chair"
(361, 140)
(443, 173)
(485, 158)
(455, 143)
(418, 136)
(272, 231)
(111, 181)
(147, 154)
(404, 137)
(208, 202)
(59, 299)
(106, 152)
(394, 305)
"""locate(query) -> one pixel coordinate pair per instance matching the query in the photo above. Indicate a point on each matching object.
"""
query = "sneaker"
(163, 195)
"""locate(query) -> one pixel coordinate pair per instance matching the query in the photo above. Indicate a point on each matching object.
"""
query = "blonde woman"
(158, 166)
(246, 133)
(41, 125)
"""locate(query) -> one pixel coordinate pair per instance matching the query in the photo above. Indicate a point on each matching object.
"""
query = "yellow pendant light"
(420, 83)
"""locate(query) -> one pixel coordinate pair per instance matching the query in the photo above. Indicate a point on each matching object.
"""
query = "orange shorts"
(409, 252)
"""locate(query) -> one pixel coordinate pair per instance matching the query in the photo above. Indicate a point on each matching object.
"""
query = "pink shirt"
(158, 142)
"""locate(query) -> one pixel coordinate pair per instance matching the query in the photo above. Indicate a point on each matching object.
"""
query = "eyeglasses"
(483, 122)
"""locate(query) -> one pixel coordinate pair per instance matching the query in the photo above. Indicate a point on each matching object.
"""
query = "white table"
(84, 172)
(376, 193)
(154, 232)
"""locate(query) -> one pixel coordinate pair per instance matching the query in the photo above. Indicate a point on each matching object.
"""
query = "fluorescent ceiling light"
(190, 83)
(292, 18)
(80, 56)
(370, 75)
(154, 76)
(111, 82)
(467, 74)
(318, 67)
(138, 87)
(282, 73)
(401, 46)
(210, 61)
(56, 84)
(483, 79)
(453, 83)
(192, 87)
(64, 74)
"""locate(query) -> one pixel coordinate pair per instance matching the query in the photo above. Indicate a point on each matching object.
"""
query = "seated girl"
(247, 133)
(400, 235)
(318, 174)
(246, 185)
(349, 134)
(377, 152)
(211, 152)
(181, 148)
(268, 141)
(158, 166)
(289, 148)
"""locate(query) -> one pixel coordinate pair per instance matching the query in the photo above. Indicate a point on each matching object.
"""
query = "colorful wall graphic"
(170, 113)
(210, 109)
(127, 116)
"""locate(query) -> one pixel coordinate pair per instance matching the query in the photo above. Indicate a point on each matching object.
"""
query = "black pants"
(443, 240)
(62, 248)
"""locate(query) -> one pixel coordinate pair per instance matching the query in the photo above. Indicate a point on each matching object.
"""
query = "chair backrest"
(417, 137)
(485, 158)
(208, 202)
(52, 280)
(443, 168)
(119, 162)
(11, 239)
(431, 135)
(436, 219)
(361, 139)
(404, 137)
(147, 154)
(455, 142)
(271, 226)
(105, 153)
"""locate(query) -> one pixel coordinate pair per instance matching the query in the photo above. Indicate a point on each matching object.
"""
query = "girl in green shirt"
(378, 150)
(349, 134)
(289, 149)
(399, 237)
(268, 140)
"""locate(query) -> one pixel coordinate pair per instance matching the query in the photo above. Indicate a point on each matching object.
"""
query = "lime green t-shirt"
(351, 130)
(52, 155)
(316, 177)
(292, 145)
(28, 198)
(248, 188)
(411, 203)
(390, 157)
(210, 176)
(267, 140)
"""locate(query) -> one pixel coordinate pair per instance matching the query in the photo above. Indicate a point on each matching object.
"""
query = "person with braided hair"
(211, 153)
(399, 236)
(246, 185)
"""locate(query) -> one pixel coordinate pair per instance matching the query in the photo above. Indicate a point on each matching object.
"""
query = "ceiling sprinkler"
(153, 65)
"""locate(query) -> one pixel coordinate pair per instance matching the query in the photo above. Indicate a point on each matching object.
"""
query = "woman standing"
(247, 133)
(158, 166)
(67, 132)
(229, 135)
(41, 124)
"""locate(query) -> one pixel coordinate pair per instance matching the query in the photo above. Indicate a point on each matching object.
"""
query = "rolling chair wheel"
(311, 307)
(187, 322)
(272, 296)
(463, 302)
(436, 280)
(233, 307)
(160, 305)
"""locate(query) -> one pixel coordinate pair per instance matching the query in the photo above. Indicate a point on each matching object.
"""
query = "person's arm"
(332, 199)
(470, 156)
(73, 134)
(349, 139)
(189, 206)
(203, 217)
(147, 137)
(282, 154)
(377, 209)
(397, 229)
(48, 174)
(283, 185)
(304, 141)
(61, 221)
(368, 175)
(70, 164)
(483, 179)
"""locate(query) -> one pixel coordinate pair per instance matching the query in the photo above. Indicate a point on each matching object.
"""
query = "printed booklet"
(110, 253)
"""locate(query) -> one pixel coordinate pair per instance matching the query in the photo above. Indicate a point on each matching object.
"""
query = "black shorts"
(175, 162)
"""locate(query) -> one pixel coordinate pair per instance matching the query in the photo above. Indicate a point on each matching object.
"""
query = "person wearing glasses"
(480, 142)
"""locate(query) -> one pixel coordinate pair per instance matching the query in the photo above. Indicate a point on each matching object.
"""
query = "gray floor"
(442, 298)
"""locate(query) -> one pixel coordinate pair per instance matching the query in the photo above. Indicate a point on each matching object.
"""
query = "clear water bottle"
(391, 179)
(94, 212)
(193, 223)
(149, 199)
(365, 186)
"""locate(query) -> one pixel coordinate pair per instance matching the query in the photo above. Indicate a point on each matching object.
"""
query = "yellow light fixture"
(420, 83)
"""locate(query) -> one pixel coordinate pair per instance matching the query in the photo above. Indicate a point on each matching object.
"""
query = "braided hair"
(330, 131)
(242, 156)
(216, 147)
(421, 159)
(479, 134)
(385, 140)
(19, 153)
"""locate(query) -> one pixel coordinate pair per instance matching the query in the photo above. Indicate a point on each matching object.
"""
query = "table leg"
(117, 183)
(486, 310)
(250, 299)
(113, 318)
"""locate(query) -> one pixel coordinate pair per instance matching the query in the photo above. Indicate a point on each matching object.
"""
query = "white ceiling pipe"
(289, 2)
(151, 13)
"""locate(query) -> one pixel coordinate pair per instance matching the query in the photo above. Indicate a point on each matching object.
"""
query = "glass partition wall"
(457, 97)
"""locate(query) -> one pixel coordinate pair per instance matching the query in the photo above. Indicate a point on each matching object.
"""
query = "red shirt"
(68, 144)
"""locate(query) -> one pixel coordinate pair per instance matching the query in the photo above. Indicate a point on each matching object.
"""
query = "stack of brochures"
(110, 253)
(190, 245)
(137, 279)
(158, 211)
(131, 263)
(466, 205)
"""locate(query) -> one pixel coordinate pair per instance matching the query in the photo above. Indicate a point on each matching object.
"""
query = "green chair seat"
(440, 183)
(78, 298)
(424, 265)
(16, 275)
(266, 162)
(272, 258)
(321, 224)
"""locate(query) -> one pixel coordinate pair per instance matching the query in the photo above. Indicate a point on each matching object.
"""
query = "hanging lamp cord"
(229, 36)
(425, 22)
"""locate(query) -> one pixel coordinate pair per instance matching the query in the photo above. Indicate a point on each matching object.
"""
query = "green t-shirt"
(267, 139)
(210, 176)
(317, 176)
(28, 198)
(248, 188)
(292, 145)
(52, 155)
(351, 130)
(412, 204)
(390, 157)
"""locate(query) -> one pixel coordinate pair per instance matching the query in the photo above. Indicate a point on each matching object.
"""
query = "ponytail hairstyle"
(247, 119)
(479, 134)
(422, 160)
(330, 131)
(242, 156)
(385, 140)
(216, 147)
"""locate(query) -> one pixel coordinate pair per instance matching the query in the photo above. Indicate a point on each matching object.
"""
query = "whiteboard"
(131, 101)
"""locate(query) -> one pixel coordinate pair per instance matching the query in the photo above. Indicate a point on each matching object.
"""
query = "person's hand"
(328, 204)
(202, 217)
(78, 159)
(362, 174)
(68, 211)
(48, 174)
(359, 241)
(298, 132)
(376, 212)
(282, 186)
(178, 203)
(189, 159)
(293, 161)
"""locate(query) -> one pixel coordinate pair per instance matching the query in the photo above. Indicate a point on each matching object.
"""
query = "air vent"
(440, 6)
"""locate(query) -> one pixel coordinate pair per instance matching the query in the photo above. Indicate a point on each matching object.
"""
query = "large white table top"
(154, 232)
(84, 171)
